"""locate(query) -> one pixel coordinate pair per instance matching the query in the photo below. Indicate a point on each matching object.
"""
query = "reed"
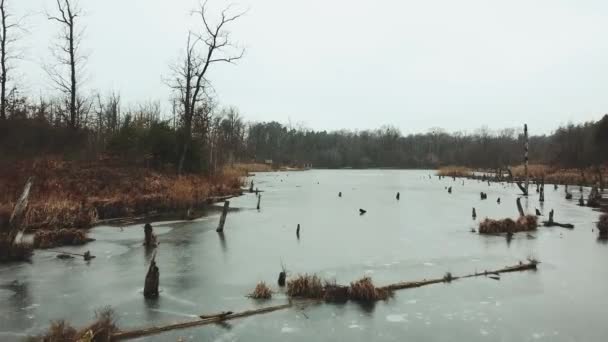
(454, 171)
(261, 291)
(524, 223)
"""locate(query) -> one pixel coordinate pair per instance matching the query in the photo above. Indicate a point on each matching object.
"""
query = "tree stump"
(150, 238)
(282, 278)
(474, 214)
(519, 207)
(152, 277)
(298, 231)
(398, 196)
(251, 187)
(220, 227)
(259, 200)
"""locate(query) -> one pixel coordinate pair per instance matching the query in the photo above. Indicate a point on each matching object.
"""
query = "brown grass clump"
(305, 286)
(454, 171)
(252, 167)
(525, 223)
(602, 225)
(99, 331)
(56, 238)
(363, 290)
(261, 291)
(16, 252)
(335, 293)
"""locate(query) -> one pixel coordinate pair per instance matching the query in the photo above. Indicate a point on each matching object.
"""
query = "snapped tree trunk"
(520, 208)
(152, 278)
(18, 211)
(220, 227)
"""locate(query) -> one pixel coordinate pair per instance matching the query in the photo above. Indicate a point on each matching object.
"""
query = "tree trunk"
(18, 211)
(519, 207)
(220, 227)
(526, 147)
(152, 278)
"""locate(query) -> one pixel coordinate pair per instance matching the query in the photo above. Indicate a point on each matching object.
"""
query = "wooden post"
(474, 214)
(17, 215)
(152, 277)
(519, 207)
(220, 227)
(259, 199)
(526, 147)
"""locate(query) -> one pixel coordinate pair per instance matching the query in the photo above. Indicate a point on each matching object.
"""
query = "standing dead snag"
(19, 211)
(251, 187)
(519, 207)
(259, 200)
(150, 238)
(68, 57)
(220, 227)
(298, 231)
(152, 278)
(191, 75)
(526, 148)
(552, 223)
(474, 214)
(398, 196)
(602, 226)
(7, 41)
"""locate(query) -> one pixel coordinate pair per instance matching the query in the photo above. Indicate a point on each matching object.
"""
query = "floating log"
(552, 223)
(220, 227)
(152, 278)
(217, 315)
(64, 255)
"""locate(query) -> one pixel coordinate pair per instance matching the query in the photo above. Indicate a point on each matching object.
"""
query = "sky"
(350, 64)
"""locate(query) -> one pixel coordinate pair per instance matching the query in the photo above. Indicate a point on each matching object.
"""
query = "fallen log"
(217, 318)
(126, 335)
(552, 223)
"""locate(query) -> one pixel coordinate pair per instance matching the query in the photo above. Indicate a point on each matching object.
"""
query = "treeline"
(200, 136)
(571, 146)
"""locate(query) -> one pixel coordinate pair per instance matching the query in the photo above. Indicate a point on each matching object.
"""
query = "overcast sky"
(333, 64)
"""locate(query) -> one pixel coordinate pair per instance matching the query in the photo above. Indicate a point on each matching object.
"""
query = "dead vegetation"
(554, 175)
(70, 194)
(312, 287)
(55, 238)
(21, 251)
(252, 167)
(454, 171)
(523, 224)
(261, 291)
(101, 330)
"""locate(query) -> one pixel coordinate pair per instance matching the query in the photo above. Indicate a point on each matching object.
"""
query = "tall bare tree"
(209, 46)
(8, 36)
(67, 53)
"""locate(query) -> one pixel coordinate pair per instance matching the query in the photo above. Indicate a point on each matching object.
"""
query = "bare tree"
(7, 38)
(211, 45)
(67, 53)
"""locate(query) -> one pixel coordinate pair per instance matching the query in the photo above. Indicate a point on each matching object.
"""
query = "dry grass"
(554, 175)
(602, 225)
(56, 238)
(261, 291)
(454, 171)
(523, 224)
(252, 167)
(16, 252)
(363, 290)
(305, 286)
(99, 331)
(77, 194)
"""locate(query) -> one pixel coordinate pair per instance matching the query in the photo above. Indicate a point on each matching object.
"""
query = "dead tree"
(298, 231)
(220, 227)
(259, 200)
(552, 223)
(67, 53)
(18, 212)
(152, 278)
(474, 214)
(520, 208)
(190, 76)
(150, 238)
(8, 26)
(526, 148)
